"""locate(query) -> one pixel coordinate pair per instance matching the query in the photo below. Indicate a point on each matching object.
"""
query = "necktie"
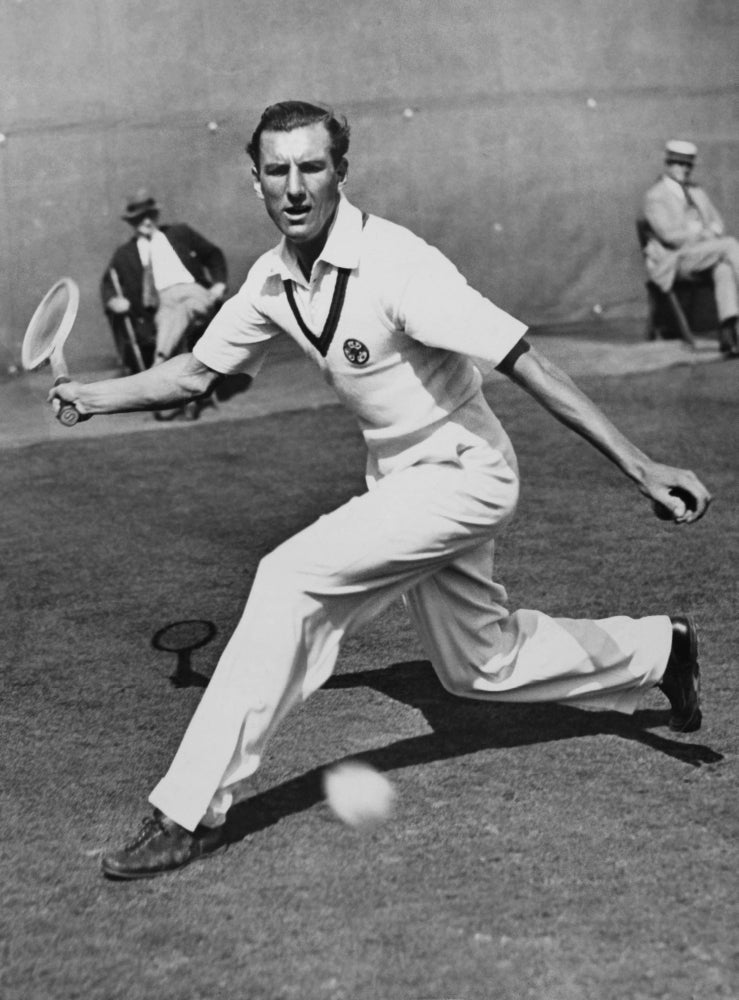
(688, 196)
(149, 296)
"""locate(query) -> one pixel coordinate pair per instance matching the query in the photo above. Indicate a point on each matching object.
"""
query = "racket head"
(179, 637)
(50, 324)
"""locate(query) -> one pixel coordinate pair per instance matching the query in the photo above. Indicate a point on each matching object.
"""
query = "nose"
(295, 186)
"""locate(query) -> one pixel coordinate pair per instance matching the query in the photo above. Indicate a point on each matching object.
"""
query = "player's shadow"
(459, 726)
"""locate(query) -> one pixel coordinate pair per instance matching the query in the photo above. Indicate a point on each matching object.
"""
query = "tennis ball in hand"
(360, 796)
(684, 502)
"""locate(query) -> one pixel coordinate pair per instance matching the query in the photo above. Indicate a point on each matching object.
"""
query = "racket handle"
(67, 413)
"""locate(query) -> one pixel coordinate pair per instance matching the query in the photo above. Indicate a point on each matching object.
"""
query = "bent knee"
(276, 566)
(286, 572)
(729, 248)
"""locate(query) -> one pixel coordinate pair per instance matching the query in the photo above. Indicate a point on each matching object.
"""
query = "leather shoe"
(170, 414)
(160, 846)
(681, 679)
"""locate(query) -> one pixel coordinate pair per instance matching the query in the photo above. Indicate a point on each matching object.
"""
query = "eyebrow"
(316, 161)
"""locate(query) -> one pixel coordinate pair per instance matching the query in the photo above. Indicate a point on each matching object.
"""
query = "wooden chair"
(689, 308)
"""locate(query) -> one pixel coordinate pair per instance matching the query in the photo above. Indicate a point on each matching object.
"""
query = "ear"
(257, 183)
(342, 170)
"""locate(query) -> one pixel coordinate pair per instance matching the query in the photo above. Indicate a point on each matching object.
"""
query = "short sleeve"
(238, 338)
(437, 307)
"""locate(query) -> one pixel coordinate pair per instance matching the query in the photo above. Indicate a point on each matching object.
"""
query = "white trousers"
(425, 533)
(178, 306)
(721, 255)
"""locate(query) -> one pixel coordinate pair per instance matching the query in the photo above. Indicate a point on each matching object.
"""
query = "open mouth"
(297, 213)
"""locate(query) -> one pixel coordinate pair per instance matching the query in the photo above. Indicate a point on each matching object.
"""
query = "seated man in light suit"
(162, 279)
(688, 236)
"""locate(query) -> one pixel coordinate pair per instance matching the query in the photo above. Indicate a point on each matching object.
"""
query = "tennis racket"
(45, 336)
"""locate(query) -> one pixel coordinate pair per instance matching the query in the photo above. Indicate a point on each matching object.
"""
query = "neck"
(308, 253)
(679, 180)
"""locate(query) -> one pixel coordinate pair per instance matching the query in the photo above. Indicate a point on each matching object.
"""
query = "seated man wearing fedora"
(160, 281)
(687, 236)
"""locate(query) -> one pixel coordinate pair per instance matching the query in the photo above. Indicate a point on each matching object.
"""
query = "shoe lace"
(150, 825)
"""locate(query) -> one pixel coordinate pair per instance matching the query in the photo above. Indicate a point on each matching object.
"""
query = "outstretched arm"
(176, 381)
(557, 393)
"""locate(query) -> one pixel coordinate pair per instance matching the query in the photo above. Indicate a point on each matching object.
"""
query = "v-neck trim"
(322, 341)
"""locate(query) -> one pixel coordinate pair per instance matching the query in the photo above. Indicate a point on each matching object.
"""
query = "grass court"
(537, 853)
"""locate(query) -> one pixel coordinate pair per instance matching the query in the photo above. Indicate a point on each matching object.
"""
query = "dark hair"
(288, 115)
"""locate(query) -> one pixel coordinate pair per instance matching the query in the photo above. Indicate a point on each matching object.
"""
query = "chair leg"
(651, 332)
(652, 328)
(682, 323)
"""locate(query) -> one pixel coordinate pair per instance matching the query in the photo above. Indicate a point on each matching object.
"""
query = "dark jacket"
(203, 260)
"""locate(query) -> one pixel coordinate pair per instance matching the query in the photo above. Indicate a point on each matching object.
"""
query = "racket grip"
(67, 413)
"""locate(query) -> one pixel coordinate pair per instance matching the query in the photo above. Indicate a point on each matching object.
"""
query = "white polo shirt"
(400, 355)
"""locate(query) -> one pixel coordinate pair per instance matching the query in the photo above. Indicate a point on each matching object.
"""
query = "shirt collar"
(341, 249)
(674, 186)
(149, 241)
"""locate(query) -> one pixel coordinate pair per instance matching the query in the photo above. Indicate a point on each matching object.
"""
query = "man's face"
(679, 172)
(298, 181)
(145, 226)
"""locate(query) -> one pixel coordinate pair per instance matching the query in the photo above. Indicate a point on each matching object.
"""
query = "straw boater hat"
(680, 151)
(139, 204)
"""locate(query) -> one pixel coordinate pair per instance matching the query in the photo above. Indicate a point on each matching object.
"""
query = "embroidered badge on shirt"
(355, 352)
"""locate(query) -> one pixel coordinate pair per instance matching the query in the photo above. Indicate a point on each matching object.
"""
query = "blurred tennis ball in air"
(359, 795)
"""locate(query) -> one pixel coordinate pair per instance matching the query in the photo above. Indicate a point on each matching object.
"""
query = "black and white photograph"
(369, 384)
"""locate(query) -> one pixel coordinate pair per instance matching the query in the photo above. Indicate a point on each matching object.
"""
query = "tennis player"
(393, 326)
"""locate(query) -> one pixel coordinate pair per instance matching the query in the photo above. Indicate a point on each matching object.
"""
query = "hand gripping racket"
(45, 336)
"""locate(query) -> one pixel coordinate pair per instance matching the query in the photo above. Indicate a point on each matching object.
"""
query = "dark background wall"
(535, 129)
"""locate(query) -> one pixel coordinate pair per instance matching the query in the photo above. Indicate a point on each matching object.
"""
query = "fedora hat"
(139, 204)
